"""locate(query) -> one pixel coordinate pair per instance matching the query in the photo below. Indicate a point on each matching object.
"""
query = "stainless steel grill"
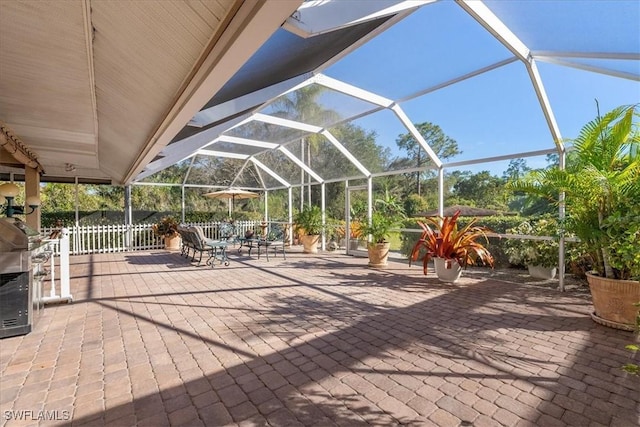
(22, 258)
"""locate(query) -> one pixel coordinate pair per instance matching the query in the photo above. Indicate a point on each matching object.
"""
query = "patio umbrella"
(232, 194)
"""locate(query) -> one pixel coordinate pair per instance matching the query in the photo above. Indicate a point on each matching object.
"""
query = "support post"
(290, 219)
(324, 217)
(32, 188)
(128, 217)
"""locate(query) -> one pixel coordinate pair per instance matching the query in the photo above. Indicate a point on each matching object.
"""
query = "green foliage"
(166, 227)
(387, 214)
(542, 253)
(482, 189)
(414, 204)
(602, 176)
(444, 147)
(380, 227)
(309, 221)
(447, 241)
(622, 229)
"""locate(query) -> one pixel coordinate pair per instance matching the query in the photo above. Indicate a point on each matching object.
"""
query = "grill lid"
(15, 235)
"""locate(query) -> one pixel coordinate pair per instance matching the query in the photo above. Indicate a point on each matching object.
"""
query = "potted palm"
(539, 256)
(379, 230)
(308, 224)
(451, 248)
(387, 215)
(167, 227)
(601, 182)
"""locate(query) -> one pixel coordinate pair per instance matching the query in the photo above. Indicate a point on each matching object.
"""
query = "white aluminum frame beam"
(459, 79)
(319, 17)
(315, 130)
(300, 164)
(541, 93)
(279, 121)
(265, 168)
(590, 68)
(414, 132)
(246, 141)
(485, 17)
(249, 101)
(345, 152)
(500, 158)
(347, 89)
(224, 154)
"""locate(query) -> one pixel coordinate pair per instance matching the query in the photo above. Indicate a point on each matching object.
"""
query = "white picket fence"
(91, 239)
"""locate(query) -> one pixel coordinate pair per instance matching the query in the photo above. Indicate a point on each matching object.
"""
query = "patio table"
(248, 242)
(218, 252)
(273, 244)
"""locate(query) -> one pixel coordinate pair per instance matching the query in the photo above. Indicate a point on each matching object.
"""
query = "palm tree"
(601, 178)
(302, 105)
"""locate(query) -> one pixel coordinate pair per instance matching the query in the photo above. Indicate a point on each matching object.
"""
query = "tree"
(444, 147)
(482, 189)
(516, 169)
(302, 105)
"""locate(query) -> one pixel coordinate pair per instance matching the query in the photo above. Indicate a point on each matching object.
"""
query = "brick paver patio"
(152, 340)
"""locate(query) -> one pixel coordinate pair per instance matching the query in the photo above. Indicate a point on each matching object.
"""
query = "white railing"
(91, 239)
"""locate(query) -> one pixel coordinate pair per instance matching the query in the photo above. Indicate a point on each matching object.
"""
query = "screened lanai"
(303, 107)
(505, 80)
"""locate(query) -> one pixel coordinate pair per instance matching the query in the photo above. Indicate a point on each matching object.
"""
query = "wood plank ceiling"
(99, 85)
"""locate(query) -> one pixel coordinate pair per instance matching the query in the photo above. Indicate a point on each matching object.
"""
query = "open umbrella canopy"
(232, 194)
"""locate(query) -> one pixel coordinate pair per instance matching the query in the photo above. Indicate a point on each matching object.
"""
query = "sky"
(497, 113)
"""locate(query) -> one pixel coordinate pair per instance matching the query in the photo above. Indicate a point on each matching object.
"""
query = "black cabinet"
(15, 304)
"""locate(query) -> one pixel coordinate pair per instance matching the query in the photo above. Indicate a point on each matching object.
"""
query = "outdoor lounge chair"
(216, 249)
(193, 239)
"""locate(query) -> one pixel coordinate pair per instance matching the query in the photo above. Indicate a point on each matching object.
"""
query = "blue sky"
(497, 113)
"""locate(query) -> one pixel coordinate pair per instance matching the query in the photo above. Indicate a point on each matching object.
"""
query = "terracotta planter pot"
(378, 254)
(172, 243)
(613, 301)
(447, 270)
(310, 243)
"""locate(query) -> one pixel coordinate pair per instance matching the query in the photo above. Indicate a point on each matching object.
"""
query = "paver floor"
(153, 340)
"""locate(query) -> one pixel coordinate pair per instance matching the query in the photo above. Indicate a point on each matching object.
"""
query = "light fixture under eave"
(7, 193)
(69, 167)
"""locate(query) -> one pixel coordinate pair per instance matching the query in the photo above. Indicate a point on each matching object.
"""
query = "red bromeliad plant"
(446, 241)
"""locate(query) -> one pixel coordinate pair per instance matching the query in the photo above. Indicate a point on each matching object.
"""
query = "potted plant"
(379, 230)
(601, 183)
(386, 216)
(451, 248)
(539, 256)
(167, 227)
(308, 223)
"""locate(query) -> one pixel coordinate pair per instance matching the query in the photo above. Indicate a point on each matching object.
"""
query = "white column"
(324, 216)
(290, 219)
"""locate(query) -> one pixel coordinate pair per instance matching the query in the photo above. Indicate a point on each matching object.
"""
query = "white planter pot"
(447, 270)
(540, 272)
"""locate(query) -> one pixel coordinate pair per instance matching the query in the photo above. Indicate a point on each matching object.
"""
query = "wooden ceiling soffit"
(10, 143)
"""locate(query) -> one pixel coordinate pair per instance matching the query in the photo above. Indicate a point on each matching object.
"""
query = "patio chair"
(275, 240)
(227, 231)
(216, 249)
(187, 240)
